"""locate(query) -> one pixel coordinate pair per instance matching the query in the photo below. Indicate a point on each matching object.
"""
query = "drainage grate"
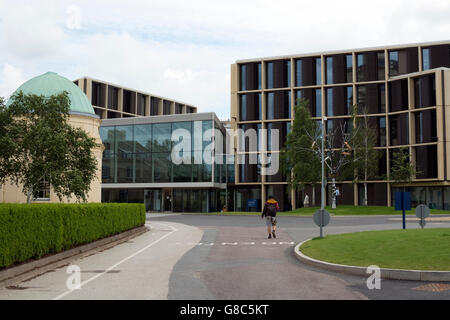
(434, 287)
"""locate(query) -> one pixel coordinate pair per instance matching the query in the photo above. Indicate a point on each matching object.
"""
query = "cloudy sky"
(183, 49)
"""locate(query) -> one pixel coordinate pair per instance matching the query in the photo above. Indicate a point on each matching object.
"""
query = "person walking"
(270, 213)
(306, 201)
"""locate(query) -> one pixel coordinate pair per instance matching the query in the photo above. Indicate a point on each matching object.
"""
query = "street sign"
(321, 218)
(422, 212)
(403, 203)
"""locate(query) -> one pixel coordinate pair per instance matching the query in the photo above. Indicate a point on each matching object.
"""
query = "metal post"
(322, 202)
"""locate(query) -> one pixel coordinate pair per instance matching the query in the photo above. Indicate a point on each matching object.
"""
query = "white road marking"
(120, 262)
(234, 243)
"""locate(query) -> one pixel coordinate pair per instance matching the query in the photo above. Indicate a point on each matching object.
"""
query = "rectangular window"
(426, 59)
(318, 102)
(329, 65)
(125, 150)
(154, 102)
(330, 108)
(243, 73)
(166, 107)
(298, 73)
(141, 105)
(270, 75)
(380, 66)
(425, 91)
(318, 67)
(113, 98)
(43, 192)
(259, 76)
(349, 67)
(393, 63)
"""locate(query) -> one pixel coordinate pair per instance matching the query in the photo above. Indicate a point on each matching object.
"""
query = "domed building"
(82, 116)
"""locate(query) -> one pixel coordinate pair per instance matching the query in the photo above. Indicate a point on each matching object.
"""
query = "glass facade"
(142, 153)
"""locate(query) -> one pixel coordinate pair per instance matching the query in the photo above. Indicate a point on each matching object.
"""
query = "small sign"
(252, 203)
(422, 211)
(321, 218)
(403, 201)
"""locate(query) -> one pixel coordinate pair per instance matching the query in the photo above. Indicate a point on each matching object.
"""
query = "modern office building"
(112, 101)
(139, 162)
(405, 89)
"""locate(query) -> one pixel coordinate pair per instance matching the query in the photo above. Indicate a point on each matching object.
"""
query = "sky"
(183, 50)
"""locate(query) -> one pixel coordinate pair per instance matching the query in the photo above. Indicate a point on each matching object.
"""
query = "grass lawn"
(416, 249)
(341, 210)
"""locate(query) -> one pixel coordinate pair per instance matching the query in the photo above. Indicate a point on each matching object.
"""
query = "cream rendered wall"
(10, 193)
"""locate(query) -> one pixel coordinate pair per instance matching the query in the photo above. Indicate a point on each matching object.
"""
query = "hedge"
(29, 231)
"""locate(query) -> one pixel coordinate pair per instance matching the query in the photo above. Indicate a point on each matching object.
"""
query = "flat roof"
(333, 52)
(163, 119)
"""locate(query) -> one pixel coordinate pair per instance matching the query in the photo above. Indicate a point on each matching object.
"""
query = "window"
(278, 105)
(270, 75)
(141, 105)
(349, 67)
(371, 98)
(250, 106)
(425, 91)
(370, 66)
(113, 98)
(426, 59)
(154, 106)
(318, 67)
(43, 192)
(425, 126)
(318, 102)
(329, 64)
(166, 107)
(393, 63)
(243, 73)
(298, 73)
(124, 153)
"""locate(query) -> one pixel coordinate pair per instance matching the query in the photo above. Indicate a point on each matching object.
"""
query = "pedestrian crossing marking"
(264, 243)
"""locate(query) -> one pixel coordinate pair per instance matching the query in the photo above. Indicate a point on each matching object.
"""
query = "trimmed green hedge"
(29, 231)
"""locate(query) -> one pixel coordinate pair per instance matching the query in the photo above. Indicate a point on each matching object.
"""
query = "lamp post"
(322, 201)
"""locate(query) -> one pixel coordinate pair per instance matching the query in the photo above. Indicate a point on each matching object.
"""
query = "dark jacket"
(270, 205)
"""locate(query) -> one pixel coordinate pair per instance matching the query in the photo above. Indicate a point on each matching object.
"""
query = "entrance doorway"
(167, 203)
(153, 200)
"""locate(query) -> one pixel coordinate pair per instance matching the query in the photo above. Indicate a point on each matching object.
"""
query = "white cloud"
(11, 78)
(183, 49)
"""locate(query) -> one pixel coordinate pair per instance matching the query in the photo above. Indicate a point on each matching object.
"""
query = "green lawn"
(416, 249)
(341, 210)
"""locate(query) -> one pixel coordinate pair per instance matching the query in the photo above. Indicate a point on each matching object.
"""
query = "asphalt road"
(203, 257)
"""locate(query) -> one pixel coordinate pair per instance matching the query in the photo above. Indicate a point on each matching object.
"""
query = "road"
(187, 257)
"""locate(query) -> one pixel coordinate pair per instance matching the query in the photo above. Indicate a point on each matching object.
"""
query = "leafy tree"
(298, 162)
(402, 169)
(37, 142)
(364, 142)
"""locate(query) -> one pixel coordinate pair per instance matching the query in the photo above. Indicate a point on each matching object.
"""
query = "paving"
(222, 257)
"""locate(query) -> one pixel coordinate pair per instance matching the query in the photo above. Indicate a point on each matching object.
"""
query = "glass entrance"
(153, 200)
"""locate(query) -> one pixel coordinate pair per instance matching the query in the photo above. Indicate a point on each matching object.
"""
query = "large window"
(398, 95)
(339, 69)
(314, 98)
(425, 125)
(154, 106)
(339, 101)
(371, 98)
(425, 91)
(403, 61)
(250, 107)
(399, 129)
(436, 57)
(250, 76)
(278, 105)
(124, 147)
(278, 74)
(370, 66)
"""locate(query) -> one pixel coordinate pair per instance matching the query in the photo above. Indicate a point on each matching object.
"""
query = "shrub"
(29, 231)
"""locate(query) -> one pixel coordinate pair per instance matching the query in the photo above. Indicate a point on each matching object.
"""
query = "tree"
(402, 169)
(364, 143)
(299, 163)
(39, 143)
(302, 155)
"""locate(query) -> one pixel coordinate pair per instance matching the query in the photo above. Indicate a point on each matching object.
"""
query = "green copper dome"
(51, 83)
